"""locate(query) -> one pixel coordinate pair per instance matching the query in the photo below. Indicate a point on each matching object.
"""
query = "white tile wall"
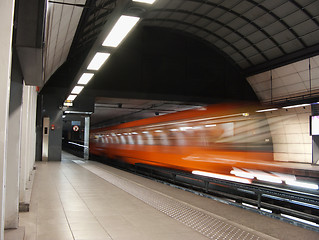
(289, 128)
(289, 80)
(290, 134)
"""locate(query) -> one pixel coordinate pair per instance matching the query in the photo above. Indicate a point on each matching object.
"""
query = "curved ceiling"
(253, 34)
(248, 32)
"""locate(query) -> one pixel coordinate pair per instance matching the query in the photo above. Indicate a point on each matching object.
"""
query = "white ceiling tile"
(304, 75)
(296, 88)
(264, 96)
(315, 61)
(279, 92)
(80, 1)
(315, 83)
(291, 79)
(278, 82)
(283, 71)
(262, 86)
(301, 65)
(315, 72)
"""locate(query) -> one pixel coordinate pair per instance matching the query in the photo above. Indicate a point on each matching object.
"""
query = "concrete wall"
(290, 128)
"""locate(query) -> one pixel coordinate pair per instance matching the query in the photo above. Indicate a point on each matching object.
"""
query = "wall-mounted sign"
(75, 128)
(78, 123)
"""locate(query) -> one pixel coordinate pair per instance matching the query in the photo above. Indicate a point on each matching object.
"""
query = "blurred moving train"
(226, 141)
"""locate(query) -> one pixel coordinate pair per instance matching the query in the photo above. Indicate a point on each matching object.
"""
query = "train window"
(122, 139)
(139, 140)
(130, 139)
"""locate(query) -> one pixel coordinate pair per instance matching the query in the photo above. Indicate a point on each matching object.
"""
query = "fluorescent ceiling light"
(121, 28)
(267, 110)
(299, 105)
(98, 60)
(71, 97)
(77, 89)
(145, 1)
(85, 78)
(67, 104)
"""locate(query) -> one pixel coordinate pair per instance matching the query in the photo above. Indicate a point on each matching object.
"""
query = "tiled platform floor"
(70, 202)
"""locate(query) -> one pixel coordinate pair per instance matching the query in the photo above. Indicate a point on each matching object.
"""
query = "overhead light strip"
(267, 110)
(98, 60)
(145, 1)
(71, 97)
(77, 89)
(299, 105)
(121, 28)
(85, 78)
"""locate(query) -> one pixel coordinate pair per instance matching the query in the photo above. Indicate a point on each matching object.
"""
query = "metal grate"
(213, 227)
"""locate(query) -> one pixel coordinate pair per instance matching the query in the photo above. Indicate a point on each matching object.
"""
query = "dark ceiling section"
(251, 33)
(95, 15)
(160, 62)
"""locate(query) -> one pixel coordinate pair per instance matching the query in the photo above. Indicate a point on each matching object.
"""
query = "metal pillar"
(86, 138)
(45, 139)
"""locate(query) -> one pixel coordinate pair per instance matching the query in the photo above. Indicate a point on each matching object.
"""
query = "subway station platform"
(85, 200)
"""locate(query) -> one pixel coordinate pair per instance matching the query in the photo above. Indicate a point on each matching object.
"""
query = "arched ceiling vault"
(248, 32)
(252, 35)
(255, 35)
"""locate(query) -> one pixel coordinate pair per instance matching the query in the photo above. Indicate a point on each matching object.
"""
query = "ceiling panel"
(62, 23)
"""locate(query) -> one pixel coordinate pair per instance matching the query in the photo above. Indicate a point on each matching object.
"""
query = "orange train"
(231, 140)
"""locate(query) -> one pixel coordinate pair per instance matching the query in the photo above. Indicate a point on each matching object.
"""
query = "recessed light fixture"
(67, 104)
(71, 97)
(77, 89)
(98, 60)
(85, 78)
(299, 105)
(267, 110)
(121, 28)
(145, 1)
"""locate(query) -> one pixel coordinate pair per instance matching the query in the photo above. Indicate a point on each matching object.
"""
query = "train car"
(224, 140)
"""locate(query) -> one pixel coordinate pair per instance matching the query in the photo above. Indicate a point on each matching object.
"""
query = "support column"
(13, 150)
(28, 135)
(6, 18)
(86, 138)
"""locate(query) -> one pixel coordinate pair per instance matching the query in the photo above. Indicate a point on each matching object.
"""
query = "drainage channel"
(208, 224)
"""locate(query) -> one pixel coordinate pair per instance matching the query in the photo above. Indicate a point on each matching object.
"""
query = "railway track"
(295, 206)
